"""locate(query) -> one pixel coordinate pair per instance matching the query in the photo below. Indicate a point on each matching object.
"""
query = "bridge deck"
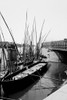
(57, 49)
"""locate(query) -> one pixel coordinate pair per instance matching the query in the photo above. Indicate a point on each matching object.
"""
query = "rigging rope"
(6, 98)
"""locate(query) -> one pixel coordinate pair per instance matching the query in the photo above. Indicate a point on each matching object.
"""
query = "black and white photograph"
(33, 49)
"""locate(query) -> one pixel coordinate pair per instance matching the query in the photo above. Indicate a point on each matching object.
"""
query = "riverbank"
(60, 94)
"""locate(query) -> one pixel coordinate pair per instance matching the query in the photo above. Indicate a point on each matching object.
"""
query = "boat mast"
(2, 33)
(25, 40)
(39, 42)
(9, 32)
(3, 50)
(46, 35)
(38, 46)
(3, 59)
(34, 32)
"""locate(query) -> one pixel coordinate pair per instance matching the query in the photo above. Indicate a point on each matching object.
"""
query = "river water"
(47, 84)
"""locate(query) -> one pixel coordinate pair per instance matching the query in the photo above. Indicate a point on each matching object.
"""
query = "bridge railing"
(59, 44)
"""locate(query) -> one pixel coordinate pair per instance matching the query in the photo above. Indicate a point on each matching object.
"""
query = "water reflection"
(46, 85)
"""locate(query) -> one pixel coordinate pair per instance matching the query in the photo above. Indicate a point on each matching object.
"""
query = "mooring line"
(6, 98)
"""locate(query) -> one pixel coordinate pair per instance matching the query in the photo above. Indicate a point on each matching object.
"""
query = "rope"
(5, 98)
(52, 78)
(42, 87)
(46, 77)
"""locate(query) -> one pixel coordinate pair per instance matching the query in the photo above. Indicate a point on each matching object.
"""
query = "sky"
(53, 11)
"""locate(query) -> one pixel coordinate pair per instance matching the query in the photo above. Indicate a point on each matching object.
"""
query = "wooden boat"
(17, 82)
(19, 79)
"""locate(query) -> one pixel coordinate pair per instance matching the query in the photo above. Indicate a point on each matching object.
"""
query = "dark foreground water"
(46, 85)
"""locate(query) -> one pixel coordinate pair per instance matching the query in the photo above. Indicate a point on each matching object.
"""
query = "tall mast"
(46, 35)
(9, 32)
(38, 46)
(25, 39)
(4, 41)
(7, 26)
(35, 29)
(2, 33)
(34, 36)
(41, 33)
(3, 53)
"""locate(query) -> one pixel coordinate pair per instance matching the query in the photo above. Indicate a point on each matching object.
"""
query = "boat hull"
(13, 86)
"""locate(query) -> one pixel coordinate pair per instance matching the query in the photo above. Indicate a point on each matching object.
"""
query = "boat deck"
(29, 71)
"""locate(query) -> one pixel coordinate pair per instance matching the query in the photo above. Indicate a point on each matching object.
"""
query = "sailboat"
(33, 67)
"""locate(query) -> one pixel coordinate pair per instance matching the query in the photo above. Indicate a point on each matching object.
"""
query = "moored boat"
(22, 80)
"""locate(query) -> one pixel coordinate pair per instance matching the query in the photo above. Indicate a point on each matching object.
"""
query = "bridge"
(62, 54)
(59, 47)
